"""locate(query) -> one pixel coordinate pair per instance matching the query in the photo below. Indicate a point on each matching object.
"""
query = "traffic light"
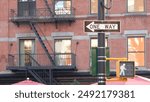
(127, 69)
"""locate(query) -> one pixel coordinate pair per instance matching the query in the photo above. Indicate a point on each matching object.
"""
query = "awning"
(28, 82)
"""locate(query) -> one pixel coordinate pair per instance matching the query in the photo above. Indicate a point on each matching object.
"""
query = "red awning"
(28, 82)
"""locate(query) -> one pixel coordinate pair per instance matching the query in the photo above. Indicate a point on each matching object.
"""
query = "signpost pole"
(101, 47)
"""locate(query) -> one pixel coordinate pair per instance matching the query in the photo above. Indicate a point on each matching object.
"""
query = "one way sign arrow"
(102, 26)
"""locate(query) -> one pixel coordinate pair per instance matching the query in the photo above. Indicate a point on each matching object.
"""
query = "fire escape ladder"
(42, 33)
(37, 76)
(42, 75)
(42, 44)
(48, 7)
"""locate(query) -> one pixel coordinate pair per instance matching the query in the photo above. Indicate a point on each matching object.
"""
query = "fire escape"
(40, 72)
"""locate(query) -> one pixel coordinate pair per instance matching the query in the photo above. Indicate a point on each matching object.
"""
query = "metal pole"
(101, 47)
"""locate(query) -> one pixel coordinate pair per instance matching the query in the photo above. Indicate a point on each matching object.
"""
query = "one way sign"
(102, 26)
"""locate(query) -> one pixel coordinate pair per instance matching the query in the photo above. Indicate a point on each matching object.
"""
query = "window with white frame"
(62, 7)
(26, 51)
(135, 5)
(63, 52)
(136, 50)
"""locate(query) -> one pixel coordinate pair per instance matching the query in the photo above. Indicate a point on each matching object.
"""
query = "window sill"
(136, 14)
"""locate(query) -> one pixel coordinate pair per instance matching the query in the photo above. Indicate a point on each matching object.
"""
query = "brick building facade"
(60, 24)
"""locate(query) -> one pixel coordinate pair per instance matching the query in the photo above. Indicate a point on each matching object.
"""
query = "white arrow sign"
(103, 26)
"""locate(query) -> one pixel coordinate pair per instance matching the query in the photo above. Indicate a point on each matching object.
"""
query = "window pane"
(136, 50)
(26, 50)
(62, 7)
(94, 42)
(23, 9)
(137, 57)
(135, 5)
(136, 44)
(63, 46)
(94, 5)
(26, 8)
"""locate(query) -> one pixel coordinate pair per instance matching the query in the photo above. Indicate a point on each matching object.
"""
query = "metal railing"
(43, 13)
(63, 11)
(61, 59)
(65, 59)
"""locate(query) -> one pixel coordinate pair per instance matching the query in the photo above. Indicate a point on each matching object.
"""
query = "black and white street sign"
(127, 69)
(102, 26)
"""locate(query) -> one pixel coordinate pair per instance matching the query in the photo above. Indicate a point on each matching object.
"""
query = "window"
(136, 50)
(94, 6)
(62, 7)
(63, 50)
(26, 49)
(26, 7)
(135, 5)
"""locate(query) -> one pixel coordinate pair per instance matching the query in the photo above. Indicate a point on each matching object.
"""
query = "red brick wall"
(3, 55)
(118, 7)
(80, 6)
(82, 55)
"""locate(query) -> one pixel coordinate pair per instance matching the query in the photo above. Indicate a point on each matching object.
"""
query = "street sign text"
(102, 26)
